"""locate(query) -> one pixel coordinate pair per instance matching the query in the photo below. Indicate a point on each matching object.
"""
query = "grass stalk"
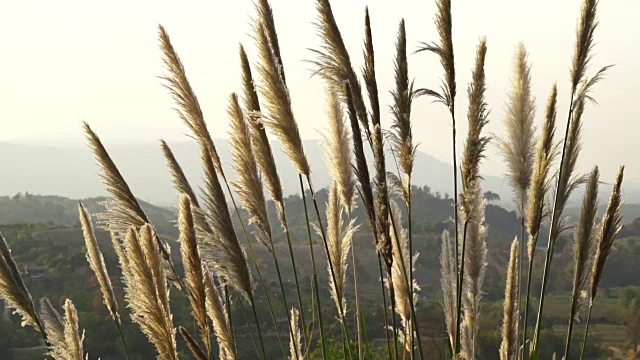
(525, 353)
(314, 273)
(586, 330)
(409, 286)
(343, 318)
(246, 321)
(357, 300)
(255, 318)
(550, 244)
(124, 343)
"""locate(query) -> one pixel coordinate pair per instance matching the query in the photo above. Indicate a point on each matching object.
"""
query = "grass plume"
(583, 239)
(508, 347)
(193, 269)
(63, 334)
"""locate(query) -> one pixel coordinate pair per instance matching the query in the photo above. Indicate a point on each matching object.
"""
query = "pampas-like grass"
(265, 16)
(448, 287)
(188, 109)
(339, 239)
(228, 257)
(182, 186)
(14, 291)
(193, 269)
(508, 347)
(610, 226)
(444, 51)
(278, 115)
(338, 153)
(369, 70)
(517, 147)
(607, 232)
(333, 63)
(403, 263)
(123, 209)
(547, 150)
(146, 291)
(295, 344)
(401, 136)
(96, 262)
(584, 42)
(65, 339)
(583, 239)
(249, 183)
(259, 140)
(220, 320)
(472, 208)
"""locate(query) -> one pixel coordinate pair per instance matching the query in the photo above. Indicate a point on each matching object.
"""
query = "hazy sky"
(69, 60)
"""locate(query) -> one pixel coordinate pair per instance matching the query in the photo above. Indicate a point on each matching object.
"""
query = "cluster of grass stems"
(541, 170)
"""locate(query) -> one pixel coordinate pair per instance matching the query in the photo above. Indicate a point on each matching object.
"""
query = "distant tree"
(490, 196)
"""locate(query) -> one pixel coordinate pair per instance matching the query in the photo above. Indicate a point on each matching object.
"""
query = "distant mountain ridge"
(72, 172)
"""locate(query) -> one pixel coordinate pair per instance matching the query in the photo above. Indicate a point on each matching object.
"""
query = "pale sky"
(69, 60)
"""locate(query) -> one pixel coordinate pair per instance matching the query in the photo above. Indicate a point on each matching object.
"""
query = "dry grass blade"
(508, 349)
(220, 320)
(339, 240)
(193, 346)
(13, 289)
(188, 107)
(611, 225)
(517, 147)
(193, 269)
(146, 292)
(401, 255)
(338, 153)
(401, 136)
(96, 262)
(249, 183)
(279, 118)
(333, 63)
(448, 285)
(541, 180)
(584, 42)
(228, 258)
(295, 345)
(444, 50)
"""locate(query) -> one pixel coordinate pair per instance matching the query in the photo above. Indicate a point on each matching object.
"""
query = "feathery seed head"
(510, 318)
(188, 107)
(220, 320)
(518, 146)
(278, 114)
(193, 268)
(584, 41)
(338, 153)
(295, 345)
(249, 183)
(448, 285)
(609, 228)
(541, 181)
(228, 258)
(13, 289)
(96, 262)
(401, 136)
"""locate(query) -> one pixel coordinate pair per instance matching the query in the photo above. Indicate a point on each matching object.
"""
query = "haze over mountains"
(68, 169)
